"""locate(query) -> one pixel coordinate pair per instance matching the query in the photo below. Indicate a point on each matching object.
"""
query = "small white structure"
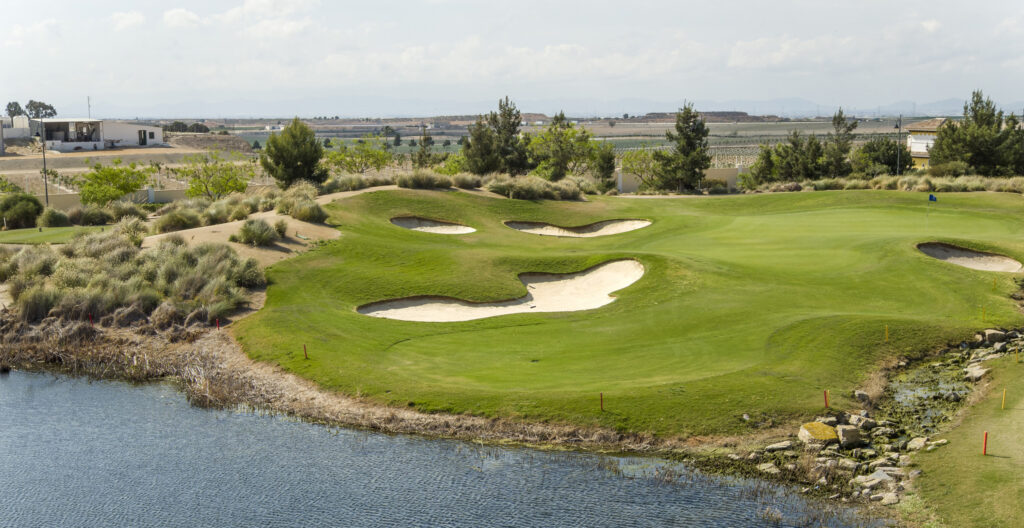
(83, 134)
(16, 127)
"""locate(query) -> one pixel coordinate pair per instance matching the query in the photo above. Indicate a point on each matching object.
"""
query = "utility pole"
(899, 143)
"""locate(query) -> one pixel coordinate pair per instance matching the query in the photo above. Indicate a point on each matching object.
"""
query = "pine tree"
(682, 168)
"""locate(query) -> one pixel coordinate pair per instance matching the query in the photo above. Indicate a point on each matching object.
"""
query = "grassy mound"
(750, 304)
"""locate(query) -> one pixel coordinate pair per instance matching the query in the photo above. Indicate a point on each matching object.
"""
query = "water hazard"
(81, 453)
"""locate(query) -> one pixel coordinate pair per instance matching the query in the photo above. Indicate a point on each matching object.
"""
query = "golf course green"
(750, 304)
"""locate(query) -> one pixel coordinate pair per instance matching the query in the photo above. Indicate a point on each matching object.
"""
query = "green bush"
(281, 226)
(20, 210)
(176, 221)
(257, 233)
(465, 180)
(950, 169)
(88, 216)
(424, 179)
(53, 218)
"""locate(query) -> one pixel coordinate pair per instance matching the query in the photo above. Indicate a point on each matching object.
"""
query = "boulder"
(768, 468)
(861, 396)
(994, 336)
(975, 372)
(849, 436)
(817, 433)
(917, 443)
(862, 422)
(827, 420)
(781, 446)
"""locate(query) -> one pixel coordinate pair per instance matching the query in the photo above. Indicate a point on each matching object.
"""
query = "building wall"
(127, 134)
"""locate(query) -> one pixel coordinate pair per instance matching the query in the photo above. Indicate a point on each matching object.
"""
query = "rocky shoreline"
(865, 455)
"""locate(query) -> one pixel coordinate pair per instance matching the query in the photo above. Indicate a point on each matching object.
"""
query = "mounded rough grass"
(257, 233)
(533, 188)
(177, 220)
(680, 351)
(103, 274)
(423, 179)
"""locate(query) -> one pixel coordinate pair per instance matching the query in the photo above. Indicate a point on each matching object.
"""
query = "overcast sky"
(394, 57)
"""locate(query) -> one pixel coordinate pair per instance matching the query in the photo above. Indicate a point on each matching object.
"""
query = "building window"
(152, 135)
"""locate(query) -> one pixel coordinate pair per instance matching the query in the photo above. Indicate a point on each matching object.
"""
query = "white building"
(84, 134)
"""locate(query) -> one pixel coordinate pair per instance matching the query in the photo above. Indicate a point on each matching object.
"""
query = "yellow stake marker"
(886, 333)
(1004, 399)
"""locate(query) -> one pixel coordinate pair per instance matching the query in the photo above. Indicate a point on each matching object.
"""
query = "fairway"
(748, 304)
(51, 235)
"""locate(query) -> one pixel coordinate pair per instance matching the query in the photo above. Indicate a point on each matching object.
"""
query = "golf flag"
(932, 198)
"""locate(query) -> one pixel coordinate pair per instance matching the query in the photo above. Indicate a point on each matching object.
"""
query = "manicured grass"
(750, 304)
(53, 235)
(964, 488)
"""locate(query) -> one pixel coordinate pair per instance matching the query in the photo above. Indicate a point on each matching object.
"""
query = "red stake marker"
(602, 401)
(984, 445)
(304, 351)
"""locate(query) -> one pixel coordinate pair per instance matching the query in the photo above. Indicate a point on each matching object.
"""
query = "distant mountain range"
(381, 106)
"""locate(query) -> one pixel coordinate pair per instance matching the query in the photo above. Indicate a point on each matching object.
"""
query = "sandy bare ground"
(608, 227)
(969, 258)
(427, 225)
(297, 238)
(547, 292)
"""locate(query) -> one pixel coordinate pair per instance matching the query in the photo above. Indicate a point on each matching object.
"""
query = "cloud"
(181, 18)
(18, 35)
(277, 28)
(931, 25)
(791, 52)
(125, 20)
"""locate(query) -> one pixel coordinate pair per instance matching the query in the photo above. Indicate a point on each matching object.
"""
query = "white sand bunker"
(427, 225)
(969, 258)
(547, 292)
(607, 227)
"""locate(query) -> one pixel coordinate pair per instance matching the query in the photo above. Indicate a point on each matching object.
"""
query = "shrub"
(52, 218)
(281, 226)
(533, 188)
(349, 182)
(424, 179)
(20, 210)
(88, 216)
(256, 233)
(240, 212)
(176, 221)
(464, 180)
(119, 210)
(308, 211)
(716, 186)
